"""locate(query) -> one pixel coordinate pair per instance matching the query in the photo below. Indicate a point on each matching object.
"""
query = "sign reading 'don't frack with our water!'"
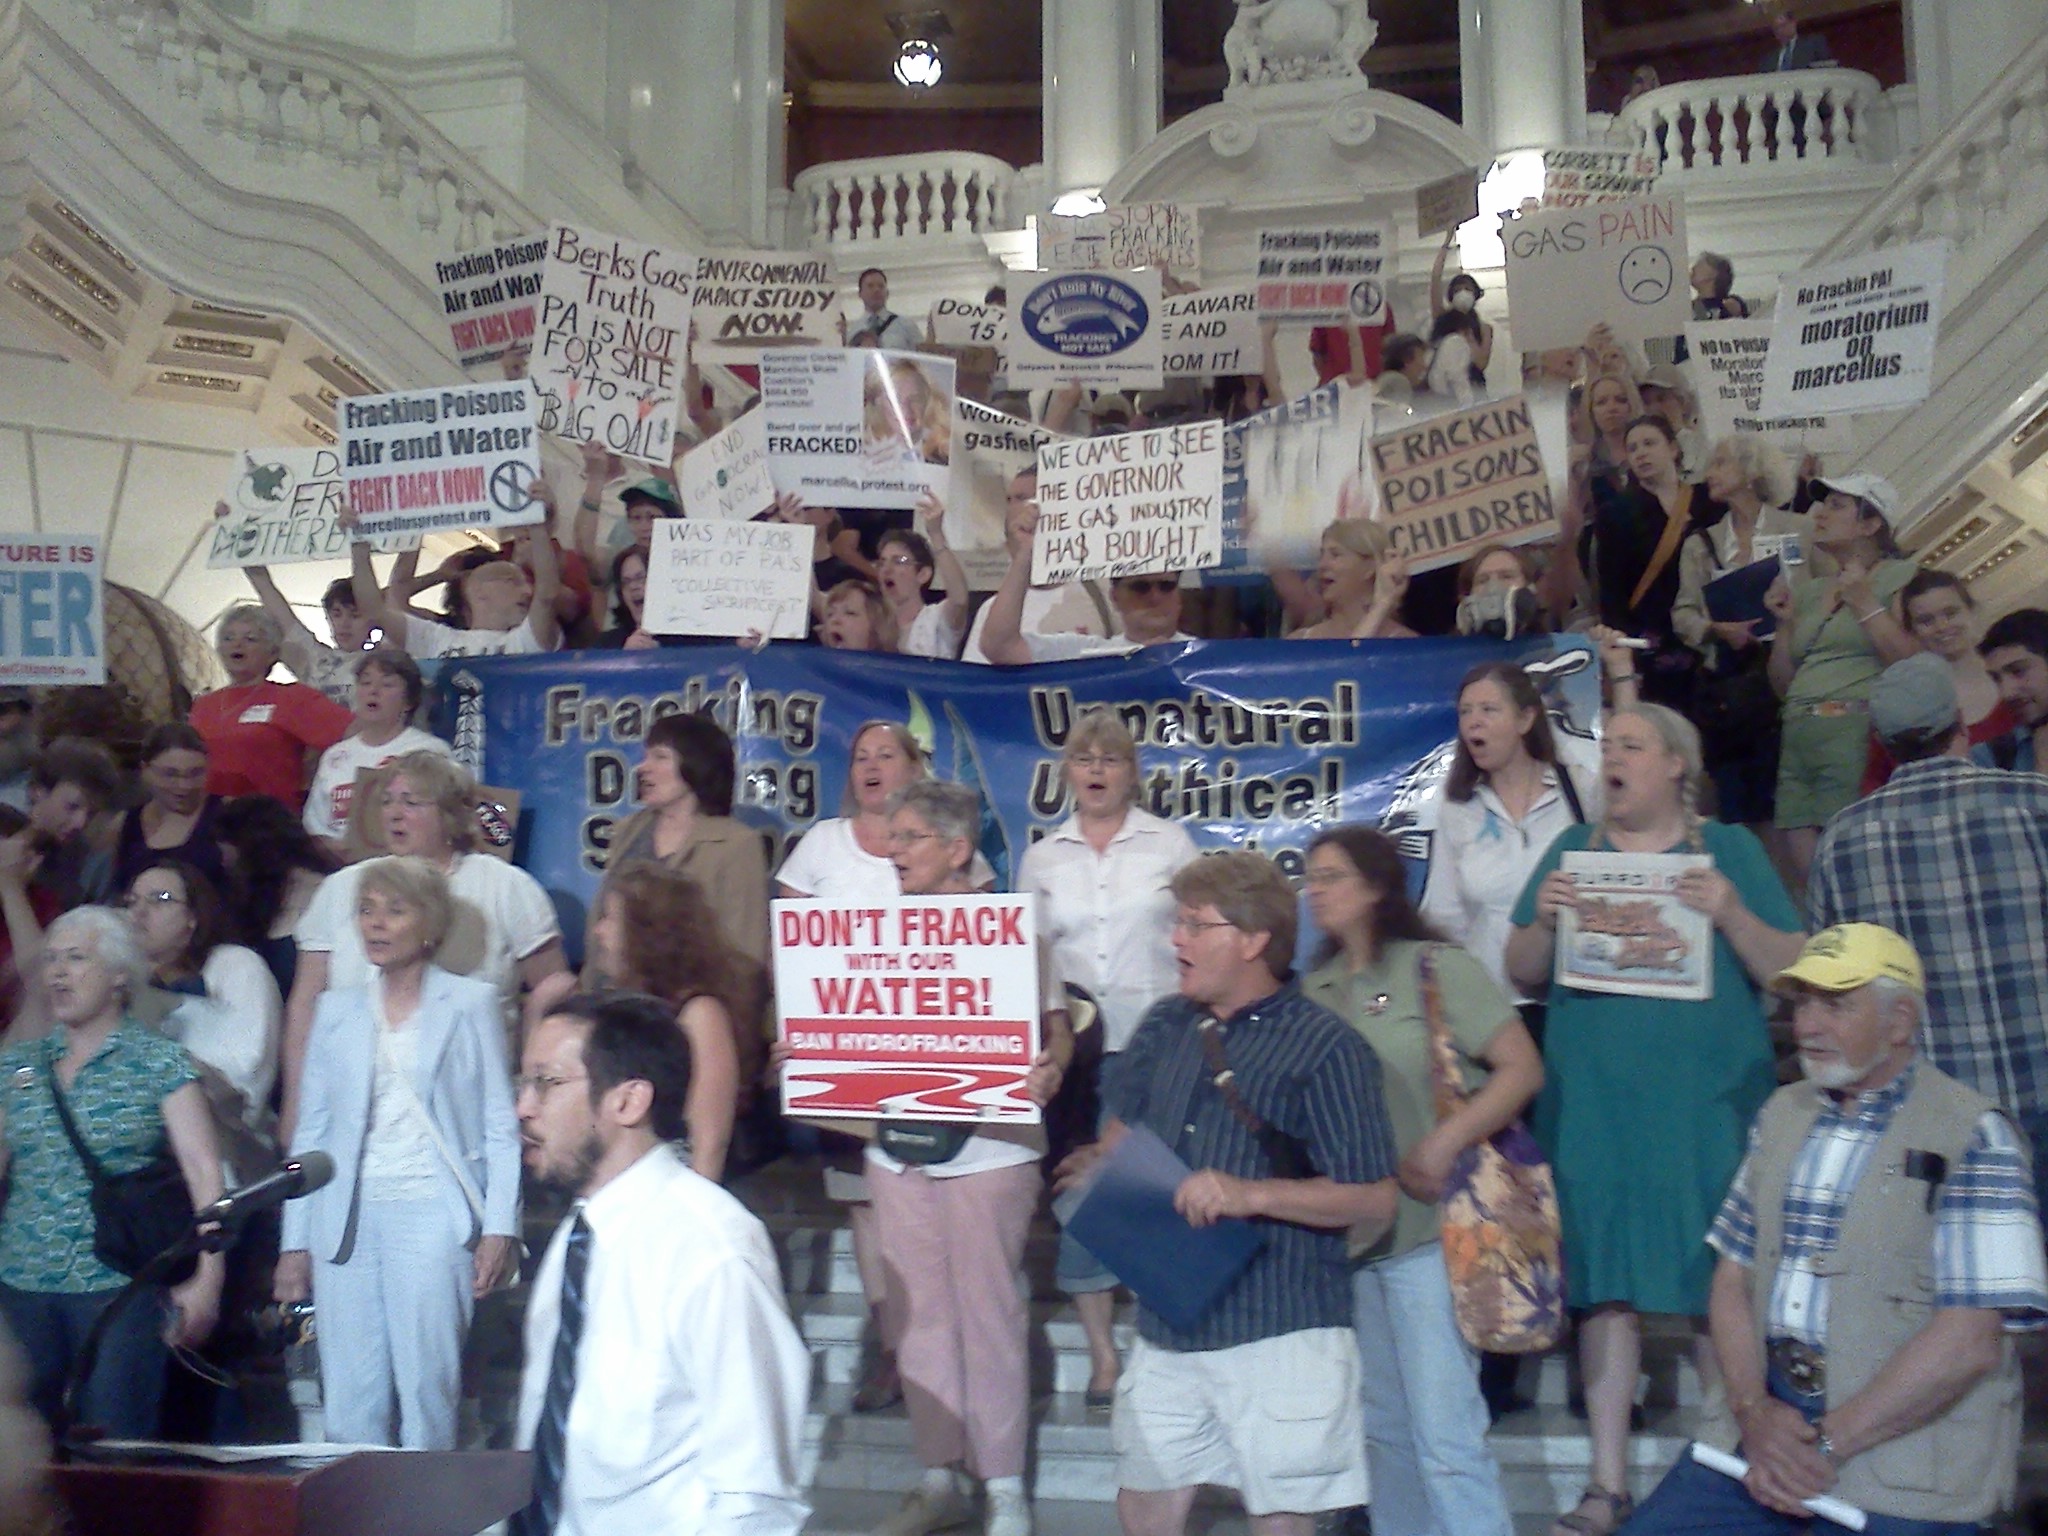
(427, 460)
(924, 1007)
(1324, 275)
(1129, 504)
(1857, 335)
(489, 295)
(611, 340)
(1099, 328)
(53, 622)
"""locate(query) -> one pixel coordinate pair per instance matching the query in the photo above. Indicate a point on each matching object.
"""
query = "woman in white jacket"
(407, 1089)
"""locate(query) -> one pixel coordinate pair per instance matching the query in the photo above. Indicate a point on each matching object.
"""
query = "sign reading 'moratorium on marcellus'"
(1857, 335)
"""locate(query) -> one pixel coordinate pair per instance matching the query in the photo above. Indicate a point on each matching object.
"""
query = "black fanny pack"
(922, 1143)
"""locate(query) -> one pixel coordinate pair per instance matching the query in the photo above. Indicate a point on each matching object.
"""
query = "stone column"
(1102, 88)
(1523, 67)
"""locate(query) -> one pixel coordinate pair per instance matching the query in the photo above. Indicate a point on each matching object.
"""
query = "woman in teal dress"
(1648, 1100)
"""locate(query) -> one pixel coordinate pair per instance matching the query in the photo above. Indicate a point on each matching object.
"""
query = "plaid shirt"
(1955, 858)
(1987, 1232)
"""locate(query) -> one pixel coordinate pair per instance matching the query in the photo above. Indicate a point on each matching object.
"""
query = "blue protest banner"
(1249, 744)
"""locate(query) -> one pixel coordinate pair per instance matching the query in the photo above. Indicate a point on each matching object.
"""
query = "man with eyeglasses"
(665, 1386)
(1275, 1103)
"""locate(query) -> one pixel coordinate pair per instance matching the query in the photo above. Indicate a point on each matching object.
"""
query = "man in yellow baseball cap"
(1878, 1241)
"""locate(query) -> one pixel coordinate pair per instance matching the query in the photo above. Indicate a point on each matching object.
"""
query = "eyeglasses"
(1188, 927)
(153, 899)
(1323, 879)
(1095, 762)
(1144, 588)
(540, 1084)
(899, 839)
(899, 558)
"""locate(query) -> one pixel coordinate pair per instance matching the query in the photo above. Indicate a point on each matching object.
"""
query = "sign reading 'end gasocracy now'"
(1129, 504)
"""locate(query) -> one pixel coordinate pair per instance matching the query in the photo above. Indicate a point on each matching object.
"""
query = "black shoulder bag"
(1285, 1154)
(135, 1216)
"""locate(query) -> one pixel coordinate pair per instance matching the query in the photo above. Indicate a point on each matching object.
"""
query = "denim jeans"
(1701, 1502)
(1433, 1473)
(126, 1388)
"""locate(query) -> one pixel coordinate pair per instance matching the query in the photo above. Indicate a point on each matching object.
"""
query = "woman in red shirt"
(261, 736)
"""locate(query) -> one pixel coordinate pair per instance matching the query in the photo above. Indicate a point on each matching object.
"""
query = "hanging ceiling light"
(918, 64)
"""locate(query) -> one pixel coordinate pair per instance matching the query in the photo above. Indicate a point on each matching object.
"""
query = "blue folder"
(1740, 595)
(1125, 1217)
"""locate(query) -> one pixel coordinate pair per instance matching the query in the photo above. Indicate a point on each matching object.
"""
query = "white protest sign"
(1857, 335)
(1572, 268)
(1129, 504)
(853, 427)
(713, 578)
(958, 323)
(1213, 331)
(426, 460)
(1629, 932)
(610, 339)
(1572, 178)
(1289, 470)
(1324, 275)
(1453, 482)
(53, 621)
(745, 300)
(489, 296)
(990, 449)
(282, 508)
(1441, 206)
(1728, 362)
(726, 477)
(1099, 328)
(916, 1006)
(1118, 239)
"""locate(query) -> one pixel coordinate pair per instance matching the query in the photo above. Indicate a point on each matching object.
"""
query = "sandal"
(1582, 1522)
(879, 1386)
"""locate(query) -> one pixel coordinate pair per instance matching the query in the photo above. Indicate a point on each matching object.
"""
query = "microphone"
(301, 1176)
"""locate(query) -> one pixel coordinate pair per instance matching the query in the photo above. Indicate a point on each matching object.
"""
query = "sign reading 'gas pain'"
(924, 1007)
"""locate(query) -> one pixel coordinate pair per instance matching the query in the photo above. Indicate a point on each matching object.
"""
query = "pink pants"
(954, 1251)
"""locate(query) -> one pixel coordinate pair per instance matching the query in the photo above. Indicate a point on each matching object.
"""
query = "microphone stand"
(68, 1436)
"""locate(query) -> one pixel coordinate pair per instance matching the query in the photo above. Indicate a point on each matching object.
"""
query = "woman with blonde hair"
(406, 1087)
(1360, 581)
(857, 617)
(1647, 1101)
(1609, 402)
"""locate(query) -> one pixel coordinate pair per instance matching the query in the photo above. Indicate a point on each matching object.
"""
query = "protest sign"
(1288, 471)
(989, 450)
(1129, 504)
(1621, 263)
(1164, 235)
(1319, 275)
(1099, 328)
(1629, 932)
(1441, 206)
(743, 301)
(958, 323)
(610, 340)
(924, 1007)
(727, 476)
(1728, 363)
(489, 296)
(53, 621)
(726, 578)
(1857, 335)
(282, 505)
(1213, 331)
(1573, 178)
(1450, 483)
(424, 460)
(853, 427)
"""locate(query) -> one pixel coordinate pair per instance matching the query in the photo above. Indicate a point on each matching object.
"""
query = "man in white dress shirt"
(660, 1292)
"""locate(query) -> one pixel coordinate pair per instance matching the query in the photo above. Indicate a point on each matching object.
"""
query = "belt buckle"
(1804, 1366)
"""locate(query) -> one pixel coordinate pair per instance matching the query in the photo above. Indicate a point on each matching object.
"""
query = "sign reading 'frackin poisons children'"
(1088, 328)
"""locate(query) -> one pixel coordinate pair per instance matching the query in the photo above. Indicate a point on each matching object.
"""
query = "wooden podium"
(370, 1493)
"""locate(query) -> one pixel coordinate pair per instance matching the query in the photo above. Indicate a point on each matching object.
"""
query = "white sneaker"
(1008, 1515)
(925, 1510)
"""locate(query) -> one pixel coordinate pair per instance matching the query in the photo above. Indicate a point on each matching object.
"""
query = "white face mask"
(1464, 300)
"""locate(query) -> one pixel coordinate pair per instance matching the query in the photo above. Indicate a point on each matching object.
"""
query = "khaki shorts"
(1279, 1420)
(1820, 766)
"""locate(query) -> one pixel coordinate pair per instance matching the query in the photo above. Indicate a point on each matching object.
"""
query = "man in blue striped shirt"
(1275, 1104)
(1878, 1247)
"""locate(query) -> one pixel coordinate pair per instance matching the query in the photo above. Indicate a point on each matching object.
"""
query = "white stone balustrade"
(1749, 124)
(953, 195)
(305, 108)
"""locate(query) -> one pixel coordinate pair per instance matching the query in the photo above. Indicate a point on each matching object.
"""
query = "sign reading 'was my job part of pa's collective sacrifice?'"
(427, 460)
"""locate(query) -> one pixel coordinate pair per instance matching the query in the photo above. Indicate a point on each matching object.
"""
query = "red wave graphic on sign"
(936, 1091)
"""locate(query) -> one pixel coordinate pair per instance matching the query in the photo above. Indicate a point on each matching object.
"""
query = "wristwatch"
(1827, 1448)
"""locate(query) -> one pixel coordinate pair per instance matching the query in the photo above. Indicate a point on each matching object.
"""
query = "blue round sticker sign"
(1086, 315)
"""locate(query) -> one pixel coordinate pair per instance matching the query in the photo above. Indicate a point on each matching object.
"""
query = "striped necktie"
(550, 1435)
